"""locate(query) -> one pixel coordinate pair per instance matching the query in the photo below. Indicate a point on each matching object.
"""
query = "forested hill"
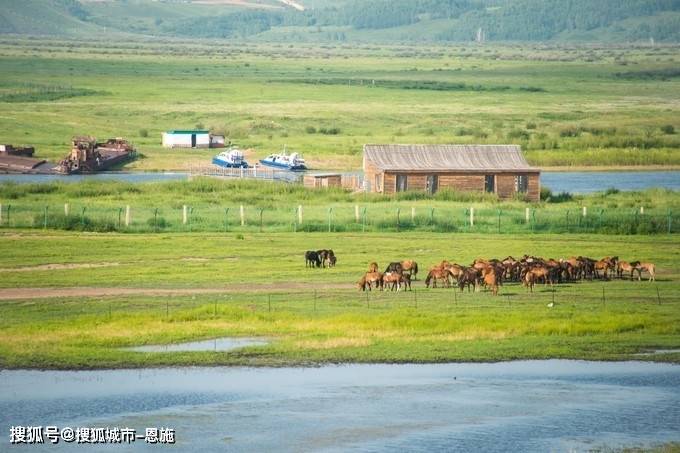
(356, 20)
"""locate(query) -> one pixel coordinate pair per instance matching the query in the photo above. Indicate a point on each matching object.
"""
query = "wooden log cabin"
(499, 169)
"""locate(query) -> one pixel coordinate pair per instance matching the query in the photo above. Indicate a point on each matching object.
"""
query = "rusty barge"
(89, 156)
(86, 156)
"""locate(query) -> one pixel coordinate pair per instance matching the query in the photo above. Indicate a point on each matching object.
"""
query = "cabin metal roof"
(447, 158)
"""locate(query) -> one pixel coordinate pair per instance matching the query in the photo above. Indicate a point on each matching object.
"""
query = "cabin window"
(490, 183)
(402, 183)
(432, 184)
(521, 183)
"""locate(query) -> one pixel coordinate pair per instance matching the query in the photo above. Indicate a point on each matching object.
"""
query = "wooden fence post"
(526, 215)
(127, 216)
(585, 211)
(642, 210)
(184, 215)
(472, 216)
(243, 218)
(300, 214)
(413, 214)
(356, 213)
(67, 209)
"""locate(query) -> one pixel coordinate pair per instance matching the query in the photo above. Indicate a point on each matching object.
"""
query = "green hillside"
(377, 21)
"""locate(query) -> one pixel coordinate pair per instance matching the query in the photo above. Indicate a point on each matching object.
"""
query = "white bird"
(551, 305)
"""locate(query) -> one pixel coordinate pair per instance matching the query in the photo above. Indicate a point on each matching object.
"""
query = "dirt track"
(46, 293)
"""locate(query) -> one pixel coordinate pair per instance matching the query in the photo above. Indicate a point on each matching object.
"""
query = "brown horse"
(435, 274)
(370, 279)
(373, 267)
(648, 267)
(490, 277)
(604, 265)
(393, 280)
(469, 277)
(536, 273)
(455, 270)
(411, 267)
(625, 266)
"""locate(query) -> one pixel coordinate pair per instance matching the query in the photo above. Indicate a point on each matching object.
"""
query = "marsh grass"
(343, 326)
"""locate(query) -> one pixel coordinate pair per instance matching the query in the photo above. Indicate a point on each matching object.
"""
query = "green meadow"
(567, 105)
(159, 289)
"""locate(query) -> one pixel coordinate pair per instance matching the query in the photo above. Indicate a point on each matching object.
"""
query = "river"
(528, 406)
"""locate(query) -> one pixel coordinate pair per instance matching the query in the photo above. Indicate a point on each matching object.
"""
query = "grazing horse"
(394, 280)
(469, 277)
(395, 267)
(536, 273)
(625, 266)
(649, 267)
(373, 267)
(455, 270)
(604, 265)
(370, 279)
(411, 267)
(332, 260)
(312, 259)
(435, 274)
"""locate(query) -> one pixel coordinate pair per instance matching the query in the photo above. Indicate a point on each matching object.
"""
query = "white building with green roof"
(186, 138)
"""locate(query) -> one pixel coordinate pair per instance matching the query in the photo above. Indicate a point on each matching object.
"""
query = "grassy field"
(157, 289)
(567, 106)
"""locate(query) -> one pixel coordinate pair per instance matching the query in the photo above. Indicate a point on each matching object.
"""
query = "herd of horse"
(492, 273)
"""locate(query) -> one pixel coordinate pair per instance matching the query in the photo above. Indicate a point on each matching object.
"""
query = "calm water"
(575, 182)
(585, 182)
(216, 344)
(517, 406)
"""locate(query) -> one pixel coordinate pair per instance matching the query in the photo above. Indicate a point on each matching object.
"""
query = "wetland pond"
(528, 406)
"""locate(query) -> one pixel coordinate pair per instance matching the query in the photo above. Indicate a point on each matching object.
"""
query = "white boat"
(232, 158)
(292, 162)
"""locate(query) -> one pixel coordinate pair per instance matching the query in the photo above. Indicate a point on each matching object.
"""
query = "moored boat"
(232, 158)
(292, 162)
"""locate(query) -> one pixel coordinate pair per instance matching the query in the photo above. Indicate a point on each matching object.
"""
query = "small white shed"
(189, 138)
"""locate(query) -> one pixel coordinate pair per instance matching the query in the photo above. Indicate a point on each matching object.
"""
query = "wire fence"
(338, 218)
(573, 296)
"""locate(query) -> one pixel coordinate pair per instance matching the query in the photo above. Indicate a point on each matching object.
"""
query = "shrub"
(531, 126)
(329, 131)
(159, 222)
(143, 133)
(571, 131)
(518, 134)
(548, 196)
(668, 129)
(611, 191)
(310, 130)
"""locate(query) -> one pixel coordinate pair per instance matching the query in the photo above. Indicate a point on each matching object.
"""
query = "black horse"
(395, 267)
(312, 259)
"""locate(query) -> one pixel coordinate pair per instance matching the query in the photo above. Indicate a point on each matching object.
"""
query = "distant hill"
(354, 20)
